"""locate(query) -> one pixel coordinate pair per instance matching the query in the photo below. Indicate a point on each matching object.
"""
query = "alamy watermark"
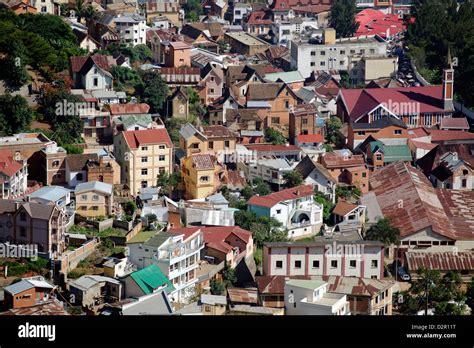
(18, 251)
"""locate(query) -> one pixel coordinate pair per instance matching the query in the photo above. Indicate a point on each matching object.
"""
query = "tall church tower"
(448, 84)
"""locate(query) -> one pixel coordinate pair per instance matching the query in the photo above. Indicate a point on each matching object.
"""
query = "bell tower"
(448, 84)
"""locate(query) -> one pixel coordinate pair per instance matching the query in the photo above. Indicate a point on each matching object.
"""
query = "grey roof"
(258, 104)
(18, 287)
(305, 94)
(50, 193)
(39, 210)
(213, 299)
(88, 281)
(153, 304)
(188, 130)
(94, 186)
(26, 284)
(307, 165)
(276, 163)
(159, 239)
(129, 18)
(250, 133)
(286, 76)
(217, 198)
(381, 123)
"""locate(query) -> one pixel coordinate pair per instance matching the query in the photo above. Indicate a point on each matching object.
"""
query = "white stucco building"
(131, 28)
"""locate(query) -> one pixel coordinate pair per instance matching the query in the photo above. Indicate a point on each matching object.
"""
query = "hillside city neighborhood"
(226, 157)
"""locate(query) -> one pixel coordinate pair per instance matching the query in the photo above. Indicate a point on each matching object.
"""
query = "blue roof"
(320, 122)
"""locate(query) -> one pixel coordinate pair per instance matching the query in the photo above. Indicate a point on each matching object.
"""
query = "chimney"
(448, 84)
(329, 36)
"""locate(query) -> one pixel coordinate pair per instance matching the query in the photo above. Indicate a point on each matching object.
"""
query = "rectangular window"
(334, 264)
(397, 131)
(96, 81)
(84, 197)
(95, 197)
(374, 264)
(352, 263)
(22, 232)
(144, 171)
(161, 158)
(144, 159)
(162, 147)
(297, 264)
(211, 145)
(315, 264)
(275, 120)
(226, 144)
(144, 148)
(279, 264)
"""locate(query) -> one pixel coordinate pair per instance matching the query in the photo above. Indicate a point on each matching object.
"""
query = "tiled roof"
(343, 208)
(272, 148)
(307, 165)
(137, 138)
(102, 61)
(8, 166)
(123, 109)
(334, 160)
(432, 159)
(218, 132)
(203, 161)
(272, 199)
(373, 22)
(408, 199)
(77, 162)
(310, 138)
(264, 91)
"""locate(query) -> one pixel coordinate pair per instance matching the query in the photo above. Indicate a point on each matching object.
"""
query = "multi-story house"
(258, 22)
(240, 10)
(245, 43)
(295, 208)
(13, 175)
(176, 54)
(46, 6)
(278, 98)
(364, 259)
(53, 165)
(213, 79)
(97, 125)
(347, 168)
(59, 196)
(317, 175)
(450, 166)
(228, 244)
(287, 30)
(94, 199)
(311, 297)
(142, 156)
(92, 72)
(389, 130)
(272, 170)
(34, 223)
(202, 175)
(176, 254)
(131, 28)
(310, 55)
(303, 121)
(104, 169)
(216, 140)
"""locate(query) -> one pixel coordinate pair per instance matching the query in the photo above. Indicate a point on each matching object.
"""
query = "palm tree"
(90, 14)
(292, 179)
(79, 9)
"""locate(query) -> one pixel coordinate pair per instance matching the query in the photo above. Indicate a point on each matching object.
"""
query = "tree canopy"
(275, 137)
(384, 232)
(342, 17)
(429, 41)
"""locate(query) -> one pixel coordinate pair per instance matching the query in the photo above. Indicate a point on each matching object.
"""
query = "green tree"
(192, 10)
(275, 137)
(264, 228)
(332, 127)
(155, 91)
(342, 17)
(168, 182)
(292, 178)
(217, 287)
(326, 203)
(229, 275)
(470, 295)
(384, 232)
(15, 114)
(260, 187)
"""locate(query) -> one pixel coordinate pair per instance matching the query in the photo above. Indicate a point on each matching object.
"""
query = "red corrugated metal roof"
(285, 195)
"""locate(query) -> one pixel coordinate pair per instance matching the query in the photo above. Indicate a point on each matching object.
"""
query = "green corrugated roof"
(307, 284)
(392, 153)
(286, 76)
(130, 120)
(150, 279)
(141, 237)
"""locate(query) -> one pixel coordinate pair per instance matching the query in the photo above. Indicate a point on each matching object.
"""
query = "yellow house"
(202, 175)
(94, 198)
(213, 140)
(143, 155)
